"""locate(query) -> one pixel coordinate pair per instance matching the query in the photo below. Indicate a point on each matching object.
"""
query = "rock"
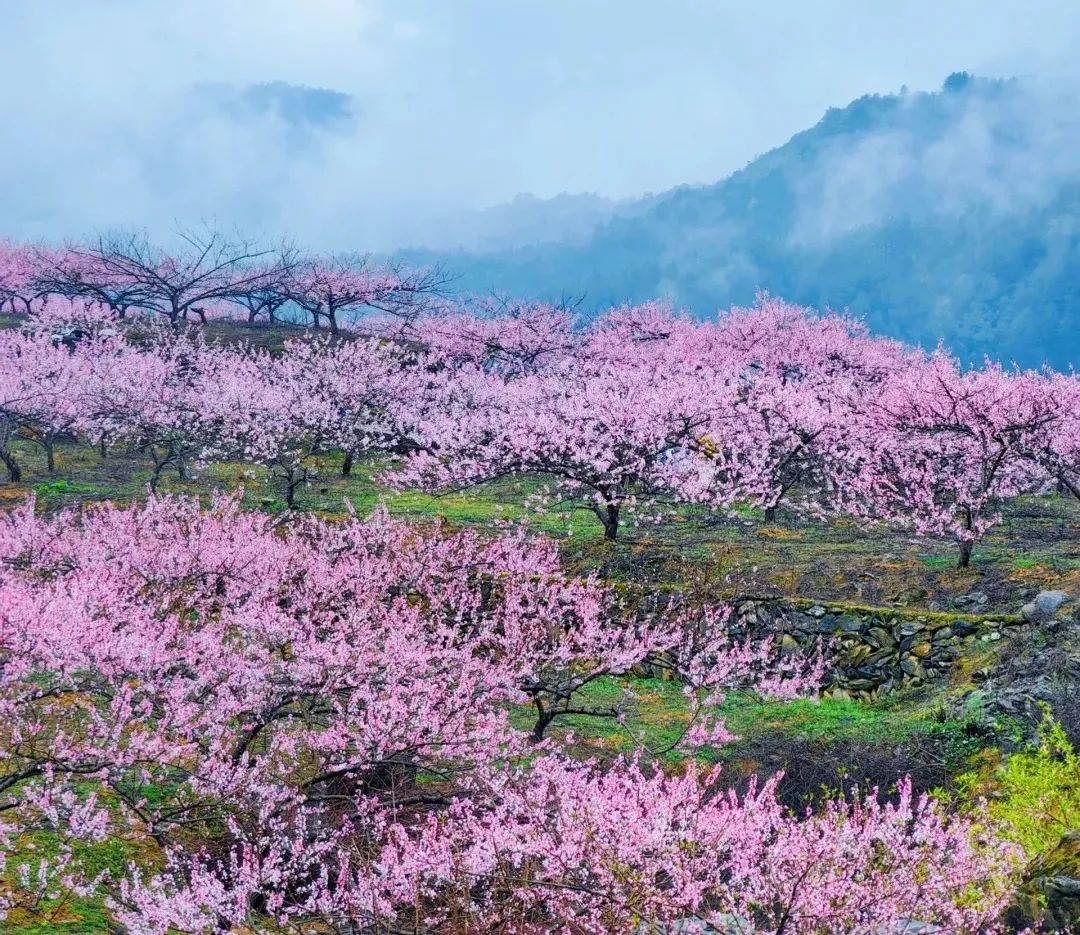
(921, 649)
(788, 644)
(851, 624)
(880, 637)
(858, 653)
(880, 656)
(1052, 890)
(910, 628)
(1044, 606)
(973, 599)
(911, 666)
(1040, 664)
(945, 633)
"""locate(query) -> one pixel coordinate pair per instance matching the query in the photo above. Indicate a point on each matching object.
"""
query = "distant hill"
(949, 216)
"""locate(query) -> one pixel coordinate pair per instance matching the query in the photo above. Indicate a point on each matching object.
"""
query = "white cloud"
(458, 105)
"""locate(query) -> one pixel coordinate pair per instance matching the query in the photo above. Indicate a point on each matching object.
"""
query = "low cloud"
(1001, 146)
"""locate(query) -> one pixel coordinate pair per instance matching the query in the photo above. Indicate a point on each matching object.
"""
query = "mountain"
(951, 216)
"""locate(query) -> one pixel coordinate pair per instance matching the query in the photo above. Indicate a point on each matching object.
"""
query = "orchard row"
(631, 412)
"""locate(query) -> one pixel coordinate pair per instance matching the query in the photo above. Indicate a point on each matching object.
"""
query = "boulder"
(1044, 606)
(880, 637)
(788, 644)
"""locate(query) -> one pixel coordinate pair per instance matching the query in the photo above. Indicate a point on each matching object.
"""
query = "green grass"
(938, 561)
(658, 713)
(1044, 559)
(736, 552)
(76, 915)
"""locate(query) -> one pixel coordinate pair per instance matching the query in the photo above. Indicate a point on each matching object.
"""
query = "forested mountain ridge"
(948, 216)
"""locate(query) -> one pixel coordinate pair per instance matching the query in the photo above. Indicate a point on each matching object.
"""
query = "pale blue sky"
(141, 111)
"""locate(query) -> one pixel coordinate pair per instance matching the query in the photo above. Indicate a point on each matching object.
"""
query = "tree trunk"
(544, 717)
(6, 430)
(290, 492)
(1065, 485)
(13, 469)
(609, 517)
(101, 447)
(155, 476)
(50, 455)
(966, 547)
(294, 477)
(347, 464)
(159, 466)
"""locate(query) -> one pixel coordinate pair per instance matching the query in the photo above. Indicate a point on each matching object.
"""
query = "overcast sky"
(150, 112)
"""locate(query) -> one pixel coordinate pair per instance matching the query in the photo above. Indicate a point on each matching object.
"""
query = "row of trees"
(305, 726)
(642, 408)
(208, 275)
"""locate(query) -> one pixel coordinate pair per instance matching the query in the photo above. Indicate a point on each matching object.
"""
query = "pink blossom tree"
(497, 335)
(941, 449)
(74, 273)
(801, 379)
(328, 288)
(1057, 447)
(156, 397)
(206, 267)
(18, 286)
(615, 422)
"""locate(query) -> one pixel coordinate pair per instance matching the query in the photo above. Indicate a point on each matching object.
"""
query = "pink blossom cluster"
(307, 725)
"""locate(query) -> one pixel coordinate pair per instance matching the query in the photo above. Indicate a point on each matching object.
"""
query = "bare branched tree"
(268, 296)
(208, 268)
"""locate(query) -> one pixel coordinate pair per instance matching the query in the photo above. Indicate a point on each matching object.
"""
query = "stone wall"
(878, 649)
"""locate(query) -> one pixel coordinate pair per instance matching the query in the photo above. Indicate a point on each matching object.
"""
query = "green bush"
(1034, 793)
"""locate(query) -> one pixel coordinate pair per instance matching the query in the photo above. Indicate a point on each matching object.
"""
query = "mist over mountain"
(565, 219)
(949, 216)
